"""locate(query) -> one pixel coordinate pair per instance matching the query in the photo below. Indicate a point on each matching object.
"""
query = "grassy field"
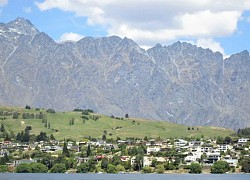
(122, 128)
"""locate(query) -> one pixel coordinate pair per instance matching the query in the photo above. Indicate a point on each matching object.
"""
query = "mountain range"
(180, 83)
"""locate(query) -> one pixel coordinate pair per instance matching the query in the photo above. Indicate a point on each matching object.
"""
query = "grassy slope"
(140, 128)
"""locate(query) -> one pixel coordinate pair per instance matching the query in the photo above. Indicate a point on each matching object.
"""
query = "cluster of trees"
(25, 115)
(244, 132)
(6, 113)
(31, 168)
(113, 165)
(52, 111)
(23, 136)
(189, 128)
(246, 165)
(42, 137)
(222, 140)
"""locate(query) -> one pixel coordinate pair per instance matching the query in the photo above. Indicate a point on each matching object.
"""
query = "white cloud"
(149, 22)
(70, 37)
(3, 2)
(27, 9)
(211, 44)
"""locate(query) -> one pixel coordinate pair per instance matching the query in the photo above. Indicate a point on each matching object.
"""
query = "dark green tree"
(88, 151)
(5, 159)
(65, 149)
(246, 165)
(47, 160)
(52, 137)
(160, 169)
(42, 137)
(220, 140)
(38, 168)
(27, 107)
(83, 168)
(195, 168)
(2, 129)
(104, 137)
(92, 164)
(23, 168)
(220, 167)
(146, 169)
(116, 160)
(58, 168)
(52, 111)
(228, 140)
(15, 115)
(7, 137)
(154, 163)
(104, 164)
(138, 163)
(111, 169)
(3, 168)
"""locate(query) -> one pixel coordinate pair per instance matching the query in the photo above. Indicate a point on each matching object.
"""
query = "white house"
(231, 161)
(180, 143)
(212, 157)
(242, 141)
(147, 161)
(153, 149)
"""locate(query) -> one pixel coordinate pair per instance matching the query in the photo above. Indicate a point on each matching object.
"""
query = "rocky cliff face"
(180, 83)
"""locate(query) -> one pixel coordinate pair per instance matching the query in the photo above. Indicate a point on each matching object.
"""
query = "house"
(180, 143)
(242, 141)
(195, 143)
(147, 161)
(189, 159)
(153, 149)
(212, 157)
(224, 147)
(231, 161)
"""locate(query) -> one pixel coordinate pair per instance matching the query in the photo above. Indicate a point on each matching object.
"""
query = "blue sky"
(221, 25)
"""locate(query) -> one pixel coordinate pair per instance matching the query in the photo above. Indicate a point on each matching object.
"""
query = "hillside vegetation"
(77, 125)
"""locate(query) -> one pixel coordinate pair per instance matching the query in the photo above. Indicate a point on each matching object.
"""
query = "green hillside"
(60, 125)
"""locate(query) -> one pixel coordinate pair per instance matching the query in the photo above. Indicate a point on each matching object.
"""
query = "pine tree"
(52, 137)
(2, 129)
(65, 149)
(88, 151)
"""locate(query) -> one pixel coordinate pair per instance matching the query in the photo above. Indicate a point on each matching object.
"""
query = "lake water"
(14, 176)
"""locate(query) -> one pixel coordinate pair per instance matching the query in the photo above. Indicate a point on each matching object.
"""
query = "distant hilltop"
(180, 83)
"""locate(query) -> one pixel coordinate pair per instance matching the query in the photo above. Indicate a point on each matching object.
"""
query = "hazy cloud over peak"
(70, 37)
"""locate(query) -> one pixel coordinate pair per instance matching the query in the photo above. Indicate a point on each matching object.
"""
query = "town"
(131, 155)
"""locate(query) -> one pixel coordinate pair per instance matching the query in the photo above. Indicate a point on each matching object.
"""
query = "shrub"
(220, 167)
(38, 168)
(58, 168)
(83, 168)
(111, 169)
(195, 168)
(146, 169)
(160, 169)
(23, 168)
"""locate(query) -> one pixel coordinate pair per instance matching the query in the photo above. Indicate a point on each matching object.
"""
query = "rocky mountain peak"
(21, 26)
